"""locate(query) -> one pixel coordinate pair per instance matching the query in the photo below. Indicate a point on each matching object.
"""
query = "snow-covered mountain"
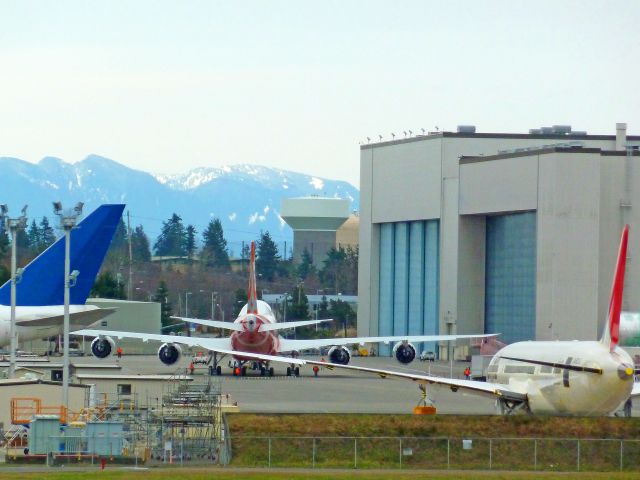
(246, 198)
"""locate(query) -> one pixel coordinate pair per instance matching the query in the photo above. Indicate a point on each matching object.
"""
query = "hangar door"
(510, 276)
(408, 300)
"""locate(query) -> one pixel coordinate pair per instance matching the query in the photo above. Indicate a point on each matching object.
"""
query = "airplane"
(40, 287)
(582, 378)
(255, 339)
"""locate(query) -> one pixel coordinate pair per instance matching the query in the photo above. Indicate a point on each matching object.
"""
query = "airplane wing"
(287, 345)
(220, 345)
(494, 390)
(85, 318)
(266, 327)
(211, 323)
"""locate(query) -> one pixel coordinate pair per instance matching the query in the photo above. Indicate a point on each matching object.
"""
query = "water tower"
(314, 221)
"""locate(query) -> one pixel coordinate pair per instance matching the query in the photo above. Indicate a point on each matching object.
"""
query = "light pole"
(186, 311)
(13, 225)
(67, 221)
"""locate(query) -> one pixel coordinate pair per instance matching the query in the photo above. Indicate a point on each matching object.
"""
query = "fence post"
(490, 456)
(313, 455)
(400, 442)
(269, 452)
(621, 454)
(355, 452)
(578, 460)
(448, 453)
(535, 453)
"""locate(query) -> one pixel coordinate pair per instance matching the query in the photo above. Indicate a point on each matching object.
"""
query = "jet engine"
(404, 352)
(102, 347)
(339, 355)
(169, 353)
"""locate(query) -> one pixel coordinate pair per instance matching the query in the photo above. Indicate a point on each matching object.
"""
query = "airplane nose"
(625, 372)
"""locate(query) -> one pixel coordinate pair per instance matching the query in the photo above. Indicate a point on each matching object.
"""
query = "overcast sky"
(165, 86)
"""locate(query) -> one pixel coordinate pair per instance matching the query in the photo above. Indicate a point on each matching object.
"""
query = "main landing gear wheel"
(263, 371)
(271, 372)
(219, 370)
(244, 371)
(297, 371)
(288, 371)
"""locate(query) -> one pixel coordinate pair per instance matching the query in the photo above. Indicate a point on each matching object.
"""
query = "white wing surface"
(287, 345)
(491, 389)
(211, 323)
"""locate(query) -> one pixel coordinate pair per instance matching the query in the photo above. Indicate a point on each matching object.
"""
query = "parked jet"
(553, 378)
(40, 290)
(255, 339)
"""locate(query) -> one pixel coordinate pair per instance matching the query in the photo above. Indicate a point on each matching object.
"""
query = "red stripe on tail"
(252, 296)
(612, 329)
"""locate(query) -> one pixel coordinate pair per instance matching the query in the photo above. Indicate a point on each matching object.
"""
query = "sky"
(166, 86)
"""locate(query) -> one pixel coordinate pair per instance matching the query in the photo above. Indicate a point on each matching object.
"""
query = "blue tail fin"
(43, 279)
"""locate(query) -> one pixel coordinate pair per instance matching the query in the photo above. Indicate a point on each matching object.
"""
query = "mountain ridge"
(246, 197)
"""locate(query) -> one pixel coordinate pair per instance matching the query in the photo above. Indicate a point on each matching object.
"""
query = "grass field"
(365, 425)
(224, 474)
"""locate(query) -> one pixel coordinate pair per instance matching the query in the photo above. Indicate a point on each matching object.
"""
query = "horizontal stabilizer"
(83, 319)
(269, 327)
(564, 366)
(211, 323)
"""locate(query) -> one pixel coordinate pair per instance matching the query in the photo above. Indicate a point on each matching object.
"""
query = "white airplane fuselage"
(557, 391)
(34, 314)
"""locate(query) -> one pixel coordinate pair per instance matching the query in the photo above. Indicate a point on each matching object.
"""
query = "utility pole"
(13, 225)
(130, 292)
(67, 221)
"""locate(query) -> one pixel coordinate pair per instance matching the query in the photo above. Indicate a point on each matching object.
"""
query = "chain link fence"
(533, 454)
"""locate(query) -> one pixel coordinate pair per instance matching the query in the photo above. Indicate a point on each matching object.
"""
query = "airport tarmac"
(330, 392)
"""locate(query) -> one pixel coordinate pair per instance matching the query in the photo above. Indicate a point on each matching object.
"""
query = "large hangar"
(465, 232)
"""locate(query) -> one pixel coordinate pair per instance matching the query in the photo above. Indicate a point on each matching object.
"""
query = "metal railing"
(533, 454)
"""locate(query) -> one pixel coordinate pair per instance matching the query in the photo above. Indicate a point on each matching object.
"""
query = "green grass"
(201, 474)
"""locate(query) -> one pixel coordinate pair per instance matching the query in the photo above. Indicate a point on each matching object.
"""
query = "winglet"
(252, 296)
(611, 334)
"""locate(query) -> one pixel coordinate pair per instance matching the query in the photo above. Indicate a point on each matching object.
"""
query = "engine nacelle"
(102, 347)
(169, 353)
(404, 352)
(339, 355)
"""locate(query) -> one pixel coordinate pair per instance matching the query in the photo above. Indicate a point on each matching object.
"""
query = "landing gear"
(243, 371)
(263, 371)
(291, 371)
(215, 369)
(297, 371)
(288, 371)
(509, 407)
(219, 370)
(271, 372)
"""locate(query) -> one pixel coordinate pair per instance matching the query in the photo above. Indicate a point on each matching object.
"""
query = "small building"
(49, 393)
(140, 388)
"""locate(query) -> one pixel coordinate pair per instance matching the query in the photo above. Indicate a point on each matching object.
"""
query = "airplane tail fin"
(611, 334)
(42, 280)
(252, 294)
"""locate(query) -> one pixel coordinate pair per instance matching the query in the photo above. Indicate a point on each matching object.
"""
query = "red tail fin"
(611, 333)
(252, 296)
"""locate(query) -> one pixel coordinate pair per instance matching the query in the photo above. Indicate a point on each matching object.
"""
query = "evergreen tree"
(106, 286)
(306, 266)
(298, 308)
(240, 301)
(5, 242)
(172, 239)
(166, 310)
(118, 253)
(332, 274)
(140, 250)
(214, 250)
(267, 253)
(190, 241)
(342, 314)
(47, 235)
(33, 236)
(323, 308)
